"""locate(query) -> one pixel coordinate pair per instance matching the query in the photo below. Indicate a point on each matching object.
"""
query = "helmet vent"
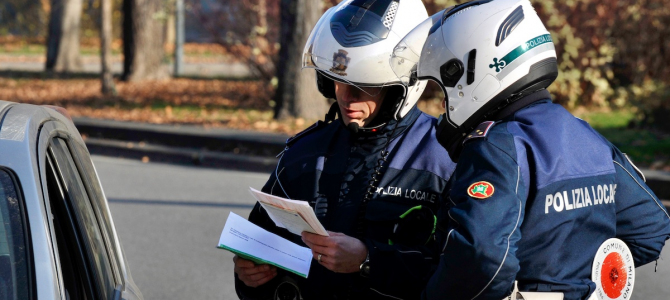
(460, 8)
(510, 23)
(390, 14)
(472, 58)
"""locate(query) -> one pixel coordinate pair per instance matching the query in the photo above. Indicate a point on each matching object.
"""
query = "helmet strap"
(389, 106)
(333, 111)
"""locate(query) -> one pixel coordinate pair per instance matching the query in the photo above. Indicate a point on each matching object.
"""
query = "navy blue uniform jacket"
(559, 191)
(331, 169)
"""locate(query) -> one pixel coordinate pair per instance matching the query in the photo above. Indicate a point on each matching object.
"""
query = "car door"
(57, 236)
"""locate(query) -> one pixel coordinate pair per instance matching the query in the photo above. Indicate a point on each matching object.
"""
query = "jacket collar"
(521, 103)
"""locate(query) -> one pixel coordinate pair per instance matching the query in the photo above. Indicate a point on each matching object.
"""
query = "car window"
(15, 278)
(84, 260)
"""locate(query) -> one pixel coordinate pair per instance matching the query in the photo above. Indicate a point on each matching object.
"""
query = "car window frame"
(91, 182)
(104, 283)
(73, 269)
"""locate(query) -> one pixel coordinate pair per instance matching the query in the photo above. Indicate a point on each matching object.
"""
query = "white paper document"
(252, 242)
(290, 220)
(296, 216)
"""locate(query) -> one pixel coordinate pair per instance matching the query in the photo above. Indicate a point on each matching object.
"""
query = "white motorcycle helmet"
(352, 43)
(484, 54)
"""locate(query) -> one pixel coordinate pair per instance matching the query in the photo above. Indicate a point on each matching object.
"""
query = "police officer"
(536, 190)
(369, 174)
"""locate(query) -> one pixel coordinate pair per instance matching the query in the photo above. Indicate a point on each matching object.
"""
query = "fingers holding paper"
(251, 274)
(340, 253)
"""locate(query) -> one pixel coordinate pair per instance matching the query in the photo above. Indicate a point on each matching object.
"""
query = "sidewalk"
(183, 144)
(91, 65)
(219, 148)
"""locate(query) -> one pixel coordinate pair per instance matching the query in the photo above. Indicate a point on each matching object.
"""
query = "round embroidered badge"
(613, 271)
(481, 190)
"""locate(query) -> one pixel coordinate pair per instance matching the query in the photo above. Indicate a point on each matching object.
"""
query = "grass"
(645, 147)
(23, 49)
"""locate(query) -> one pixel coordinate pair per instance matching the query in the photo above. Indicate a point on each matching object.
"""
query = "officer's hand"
(252, 274)
(339, 253)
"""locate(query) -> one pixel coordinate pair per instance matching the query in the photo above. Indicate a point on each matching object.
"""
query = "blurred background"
(235, 64)
(217, 83)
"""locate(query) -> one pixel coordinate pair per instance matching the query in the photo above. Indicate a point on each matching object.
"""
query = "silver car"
(57, 237)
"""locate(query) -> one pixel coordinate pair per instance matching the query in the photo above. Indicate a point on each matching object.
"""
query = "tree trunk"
(108, 87)
(143, 40)
(127, 36)
(63, 40)
(170, 32)
(297, 94)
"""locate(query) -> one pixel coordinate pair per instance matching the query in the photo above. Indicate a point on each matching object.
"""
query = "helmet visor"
(407, 54)
(372, 90)
(418, 54)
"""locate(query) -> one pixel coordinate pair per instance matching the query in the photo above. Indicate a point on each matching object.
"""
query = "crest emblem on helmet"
(481, 190)
(340, 62)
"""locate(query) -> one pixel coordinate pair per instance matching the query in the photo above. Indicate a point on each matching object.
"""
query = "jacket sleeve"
(259, 217)
(399, 271)
(642, 221)
(478, 258)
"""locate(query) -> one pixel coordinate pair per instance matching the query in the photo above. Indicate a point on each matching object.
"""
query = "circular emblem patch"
(613, 271)
(480, 190)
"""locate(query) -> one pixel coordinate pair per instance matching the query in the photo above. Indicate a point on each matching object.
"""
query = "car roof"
(17, 118)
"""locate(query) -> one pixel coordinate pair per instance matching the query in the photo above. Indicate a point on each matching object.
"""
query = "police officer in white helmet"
(369, 174)
(536, 191)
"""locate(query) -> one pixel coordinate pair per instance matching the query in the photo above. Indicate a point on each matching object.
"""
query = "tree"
(297, 94)
(23, 17)
(252, 30)
(63, 39)
(108, 87)
(247, 29)
(143, 39)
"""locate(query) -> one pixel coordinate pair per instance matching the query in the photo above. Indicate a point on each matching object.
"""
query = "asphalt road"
(169, 219)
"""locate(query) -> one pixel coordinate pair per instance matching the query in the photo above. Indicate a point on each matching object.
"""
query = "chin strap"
(332, 113)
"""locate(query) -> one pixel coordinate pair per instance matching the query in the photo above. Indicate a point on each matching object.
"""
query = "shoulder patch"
(481, 190)
(480, 131)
